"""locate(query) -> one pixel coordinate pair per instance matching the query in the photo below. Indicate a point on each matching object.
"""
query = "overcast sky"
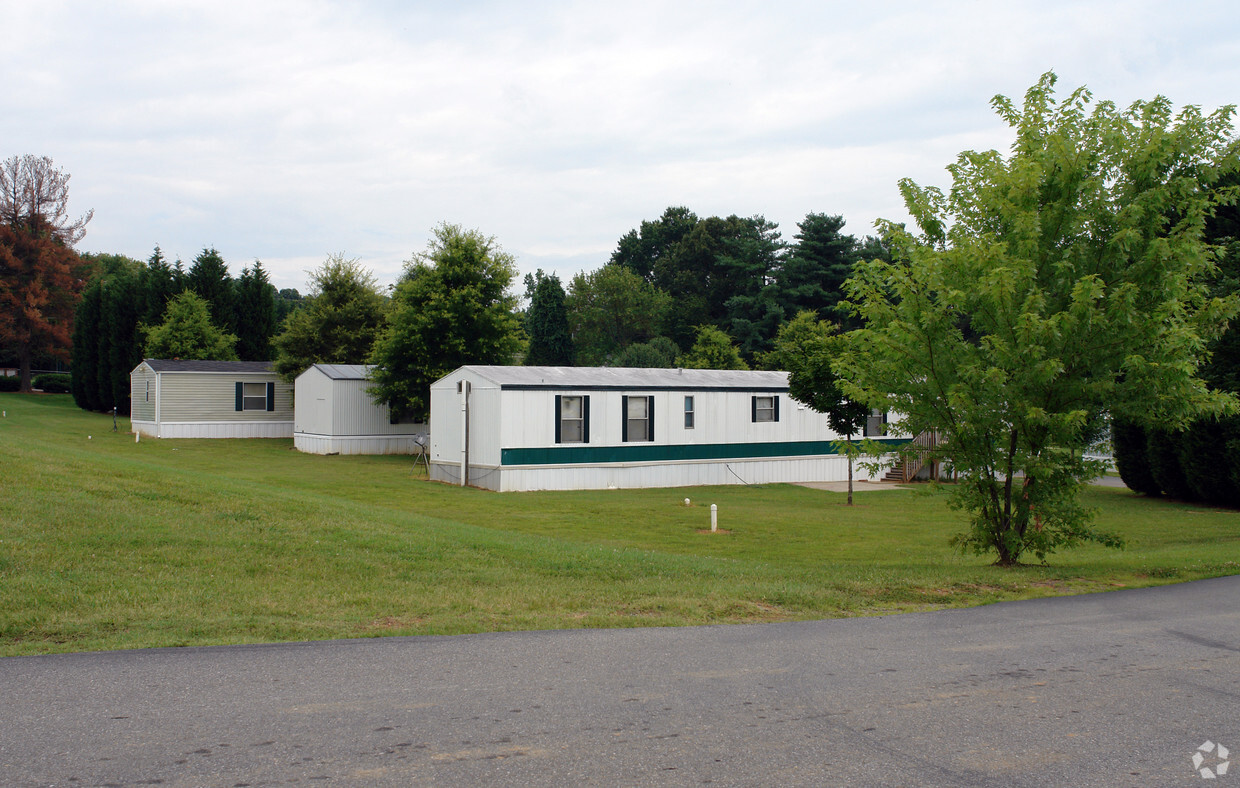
(287, 131)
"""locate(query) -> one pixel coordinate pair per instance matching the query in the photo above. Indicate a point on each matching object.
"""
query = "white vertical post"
(714, 517)
(137, 437)
(462, 387)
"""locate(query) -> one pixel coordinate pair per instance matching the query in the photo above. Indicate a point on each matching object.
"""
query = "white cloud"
(288, 131)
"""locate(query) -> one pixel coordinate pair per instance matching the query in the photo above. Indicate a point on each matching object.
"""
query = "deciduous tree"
(187, 333)
(453, 306)
(713, 349)
(41, 276)
(610, 309)
(338, 322)
(807, 348)
(1064, 278)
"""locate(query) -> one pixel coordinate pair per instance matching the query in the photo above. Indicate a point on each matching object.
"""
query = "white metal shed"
(567, 428)
(209, 399)
(335, 414)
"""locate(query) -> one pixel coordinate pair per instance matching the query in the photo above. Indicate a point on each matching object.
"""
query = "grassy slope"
(105, 543)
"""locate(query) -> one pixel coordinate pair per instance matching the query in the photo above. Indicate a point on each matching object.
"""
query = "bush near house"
(53, 383)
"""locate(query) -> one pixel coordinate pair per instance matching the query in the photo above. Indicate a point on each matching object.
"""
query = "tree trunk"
(23, 362)
(850, 474)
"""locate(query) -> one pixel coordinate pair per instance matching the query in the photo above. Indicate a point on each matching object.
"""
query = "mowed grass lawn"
(108, 544)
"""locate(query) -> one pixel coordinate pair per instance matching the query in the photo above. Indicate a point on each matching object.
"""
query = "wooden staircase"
(913, 457)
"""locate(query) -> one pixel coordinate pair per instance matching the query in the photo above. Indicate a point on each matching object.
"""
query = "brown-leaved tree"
(41, 275)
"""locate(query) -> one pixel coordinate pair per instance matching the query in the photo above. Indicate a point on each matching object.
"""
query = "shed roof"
(176, 365)
(345, 371)
(629, 378)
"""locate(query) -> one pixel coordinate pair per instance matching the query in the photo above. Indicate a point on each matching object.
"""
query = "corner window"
(688, 413)
(638, 422)
(572, 419)
(765, 408)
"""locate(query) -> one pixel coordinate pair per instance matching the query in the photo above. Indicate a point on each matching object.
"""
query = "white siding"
(223, 429)
(200, 397)
(654, 474)
(339, 416)
(142, 393)
(312, 412)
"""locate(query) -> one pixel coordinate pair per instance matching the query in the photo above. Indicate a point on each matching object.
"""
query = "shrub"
(1128, 445)
(10, 383)
(1209, 462)
(1163, 453)
(52, 383)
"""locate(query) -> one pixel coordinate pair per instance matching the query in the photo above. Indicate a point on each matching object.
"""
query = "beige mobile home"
(335, 414)
(210, 399)
(574, 428)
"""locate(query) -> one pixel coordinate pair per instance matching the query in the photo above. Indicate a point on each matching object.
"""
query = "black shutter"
(240, 395)
(650, 419)
(624, 419)
(775, 400)
(271, 397)
(585, 419)
(753, 408)
(557, 417)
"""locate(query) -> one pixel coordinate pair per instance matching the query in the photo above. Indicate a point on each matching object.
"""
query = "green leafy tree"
(338, 322)
(713, 349)
(452, 307)
(1048, 284)
(807, 348)
(187, 333)
(208, 277)
(658, 353)
(610, 309)
(256, 314)
(546, 323)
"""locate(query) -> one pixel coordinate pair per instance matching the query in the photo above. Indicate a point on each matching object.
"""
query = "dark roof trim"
(638, 388)
(239, 367)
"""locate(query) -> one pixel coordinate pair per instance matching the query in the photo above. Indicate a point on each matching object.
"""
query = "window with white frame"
(254, 396)
(638, 424)
(688, 413)
(572, 424)
(765, 408)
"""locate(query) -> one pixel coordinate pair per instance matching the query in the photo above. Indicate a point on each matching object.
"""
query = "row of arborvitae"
(1201, 463)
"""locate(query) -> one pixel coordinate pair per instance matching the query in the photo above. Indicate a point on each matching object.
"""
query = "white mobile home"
(209, 399)
(335, 414)
(570, 428)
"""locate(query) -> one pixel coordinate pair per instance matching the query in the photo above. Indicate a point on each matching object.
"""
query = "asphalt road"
(1102, 690)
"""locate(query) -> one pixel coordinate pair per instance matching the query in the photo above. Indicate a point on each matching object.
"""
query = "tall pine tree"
(546, 322)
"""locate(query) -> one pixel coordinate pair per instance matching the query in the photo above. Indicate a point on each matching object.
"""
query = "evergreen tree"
(85, 370)
(160, 282)
(256, 314)
(546, 323)
(813, 275)
(208, 277)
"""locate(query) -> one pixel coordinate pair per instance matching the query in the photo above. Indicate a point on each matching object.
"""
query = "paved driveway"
(1107, 689)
